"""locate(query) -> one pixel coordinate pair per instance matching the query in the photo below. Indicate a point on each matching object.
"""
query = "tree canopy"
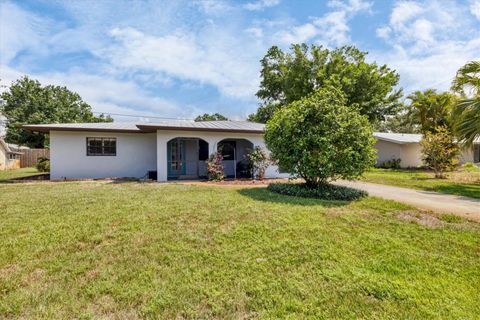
(28, 102)
(429, 110)
(320, 138)
(290, 76)
(467, 109)
(211, 117)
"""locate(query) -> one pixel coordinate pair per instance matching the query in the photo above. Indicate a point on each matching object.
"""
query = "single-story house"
(174, 149)
(406, 147)
(9, 156)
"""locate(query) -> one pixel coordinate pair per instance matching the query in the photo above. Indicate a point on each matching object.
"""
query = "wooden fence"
(30, 156)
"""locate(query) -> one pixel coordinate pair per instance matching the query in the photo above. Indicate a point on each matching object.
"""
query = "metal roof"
(223, 126)
(219, 126)
(400, 138)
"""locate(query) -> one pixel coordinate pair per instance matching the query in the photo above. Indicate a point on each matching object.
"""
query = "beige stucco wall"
(410, 154)
(387, 151)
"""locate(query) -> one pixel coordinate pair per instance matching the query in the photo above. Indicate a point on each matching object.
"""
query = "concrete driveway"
(427, 200)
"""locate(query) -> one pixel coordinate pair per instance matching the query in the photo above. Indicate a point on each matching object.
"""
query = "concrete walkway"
(438, 202)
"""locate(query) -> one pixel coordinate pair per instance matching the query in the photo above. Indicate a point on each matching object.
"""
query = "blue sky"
(182, 58)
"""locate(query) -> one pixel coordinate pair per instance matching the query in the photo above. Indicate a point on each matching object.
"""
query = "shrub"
(391, 164)
(260, 161)
(215, 169)
(43, 164)
(439, 151)
(470, 167)
(325, 191)
(320, 139)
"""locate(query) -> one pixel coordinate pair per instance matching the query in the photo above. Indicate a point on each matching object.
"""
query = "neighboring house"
(9, 156)
(175, 149)
(407, 148)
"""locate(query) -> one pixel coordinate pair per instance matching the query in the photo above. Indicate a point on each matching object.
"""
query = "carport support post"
(162, 158)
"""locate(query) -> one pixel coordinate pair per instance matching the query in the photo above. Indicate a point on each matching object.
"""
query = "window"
(12, 156)
(101, 146)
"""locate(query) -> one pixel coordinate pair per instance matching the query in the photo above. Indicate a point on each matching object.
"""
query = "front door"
(176, 158)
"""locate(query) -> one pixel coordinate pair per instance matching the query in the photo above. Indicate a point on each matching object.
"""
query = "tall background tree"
(429, 110)
(467, 110)
(211, 117)
(28, 102)
(290, 76)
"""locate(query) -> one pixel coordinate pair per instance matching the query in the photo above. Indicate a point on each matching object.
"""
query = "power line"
(139, 116)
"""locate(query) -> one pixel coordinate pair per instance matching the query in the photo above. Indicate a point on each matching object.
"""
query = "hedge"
(325, 192)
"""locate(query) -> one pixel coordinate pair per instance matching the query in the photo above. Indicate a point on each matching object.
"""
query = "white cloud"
(215, 61)
(214, 7)
(104, 93)
(475, 8)
(331, 29)
(260, 4)
(429, 41)
(19, 31)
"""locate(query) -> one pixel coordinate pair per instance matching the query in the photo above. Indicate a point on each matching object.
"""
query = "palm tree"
(429, 109)
(467, 110)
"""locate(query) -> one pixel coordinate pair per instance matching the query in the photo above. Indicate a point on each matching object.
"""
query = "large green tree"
(320, 138)
(28, 102)
(211, 117)
(467, 110)
(290, 76)
(429, 110)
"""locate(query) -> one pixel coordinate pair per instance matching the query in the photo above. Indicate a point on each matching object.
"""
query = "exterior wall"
(387, 151)
(410, 153)
(163, 136)
(136, 154)
(471, 154)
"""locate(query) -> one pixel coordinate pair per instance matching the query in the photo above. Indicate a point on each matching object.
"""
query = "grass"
(18, 173)
(462, 182)
(147, 250)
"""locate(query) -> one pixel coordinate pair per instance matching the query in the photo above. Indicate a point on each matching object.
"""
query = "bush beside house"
(320, 139)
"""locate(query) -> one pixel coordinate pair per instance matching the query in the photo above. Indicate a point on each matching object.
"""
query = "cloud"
(12, 40)
(216, 61)
(429, 42)
(330, 29)
(260, 4)
(475, 8)
(105, 94)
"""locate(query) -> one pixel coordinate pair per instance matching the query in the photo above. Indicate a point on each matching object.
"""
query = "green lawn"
(18, 173)
(147, 250)
(462, 183)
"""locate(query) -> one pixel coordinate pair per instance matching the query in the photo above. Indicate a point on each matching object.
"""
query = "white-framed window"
(100, 146)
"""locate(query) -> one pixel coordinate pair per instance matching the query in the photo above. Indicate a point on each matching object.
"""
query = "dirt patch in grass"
(434, 221)
(423, 219)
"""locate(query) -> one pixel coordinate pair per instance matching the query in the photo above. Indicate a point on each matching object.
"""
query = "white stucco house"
(177, 149)
(406, 147)
(168, 150)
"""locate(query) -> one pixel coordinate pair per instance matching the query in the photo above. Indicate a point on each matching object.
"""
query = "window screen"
(101, 146)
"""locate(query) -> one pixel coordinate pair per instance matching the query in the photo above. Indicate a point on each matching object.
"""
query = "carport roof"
(400, 138)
